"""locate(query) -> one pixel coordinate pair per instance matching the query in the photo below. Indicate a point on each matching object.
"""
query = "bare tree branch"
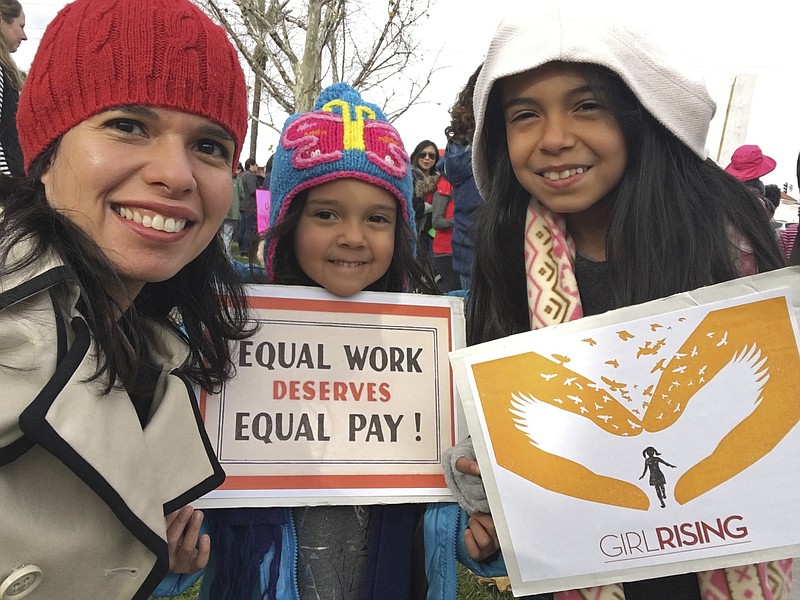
(295, 47)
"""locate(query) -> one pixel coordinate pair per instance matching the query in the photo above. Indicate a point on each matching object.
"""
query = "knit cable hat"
(748, 162)
(344, 137)
(100, 54)
(572, 34)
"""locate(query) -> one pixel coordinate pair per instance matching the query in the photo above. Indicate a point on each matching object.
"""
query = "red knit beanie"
(99, 54)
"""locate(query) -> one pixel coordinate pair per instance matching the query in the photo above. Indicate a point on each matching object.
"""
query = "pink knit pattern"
(550, 269)
(553, 298)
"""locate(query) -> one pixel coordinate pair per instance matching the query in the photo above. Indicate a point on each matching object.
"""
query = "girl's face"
(150, 186)
(566, 148)
(14, 32)
(426, 159)
(345, 237)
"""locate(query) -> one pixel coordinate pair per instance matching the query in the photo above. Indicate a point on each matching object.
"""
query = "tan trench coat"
(83, 489)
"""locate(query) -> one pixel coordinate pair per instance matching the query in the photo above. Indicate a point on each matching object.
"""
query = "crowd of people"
(575, 166)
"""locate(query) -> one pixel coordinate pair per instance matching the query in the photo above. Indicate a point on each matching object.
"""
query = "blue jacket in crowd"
(456, 166)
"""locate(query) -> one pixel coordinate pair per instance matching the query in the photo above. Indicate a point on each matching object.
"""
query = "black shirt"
(594, 283)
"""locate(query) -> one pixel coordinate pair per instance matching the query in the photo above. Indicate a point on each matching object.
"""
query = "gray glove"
(468, 489)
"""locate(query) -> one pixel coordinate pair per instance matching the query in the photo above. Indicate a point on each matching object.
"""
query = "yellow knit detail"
(353, 130)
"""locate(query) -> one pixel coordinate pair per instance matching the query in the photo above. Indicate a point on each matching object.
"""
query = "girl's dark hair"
(462, 115)
(420, 147)
(405, 273)
(203, 303)
(669, 232)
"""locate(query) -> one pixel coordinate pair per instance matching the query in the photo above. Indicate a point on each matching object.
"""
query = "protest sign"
(649, 441)
(337, 400)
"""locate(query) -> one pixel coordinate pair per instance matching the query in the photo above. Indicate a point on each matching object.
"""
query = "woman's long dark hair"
(203, 303)
(669, 232)
(405, 273)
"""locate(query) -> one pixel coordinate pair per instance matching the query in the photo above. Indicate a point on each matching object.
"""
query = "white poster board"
(584, 430)
(337, 400)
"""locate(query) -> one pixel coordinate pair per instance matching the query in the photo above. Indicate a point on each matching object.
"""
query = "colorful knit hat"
(343, 138)
(675, 97)
(100, 54)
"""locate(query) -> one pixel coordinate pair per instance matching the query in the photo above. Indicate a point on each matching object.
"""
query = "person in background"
(12, 34)
(748, 165)
(247, 207)
(232, 218)
(456, 166)
(267, 173)
(341, 221)
(116, 298)
(426, 177)
(442, 248)
(788, 236)
(589, 152)
(263, 199)
(773, 193)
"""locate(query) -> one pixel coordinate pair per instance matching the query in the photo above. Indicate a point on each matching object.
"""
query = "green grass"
(236, 255)
(469, 588)
(190, 594)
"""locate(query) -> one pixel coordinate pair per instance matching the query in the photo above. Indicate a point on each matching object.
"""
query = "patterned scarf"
(553, 298)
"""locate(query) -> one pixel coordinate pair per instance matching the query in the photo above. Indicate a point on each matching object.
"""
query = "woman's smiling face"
(150, 186)
(426, 159)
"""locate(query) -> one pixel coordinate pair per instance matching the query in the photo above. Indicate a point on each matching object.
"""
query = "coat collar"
(141, 474)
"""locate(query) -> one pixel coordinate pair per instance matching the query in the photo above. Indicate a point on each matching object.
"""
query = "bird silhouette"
(560, 358)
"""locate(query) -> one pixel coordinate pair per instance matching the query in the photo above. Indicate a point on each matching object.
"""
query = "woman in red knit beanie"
(112, 279)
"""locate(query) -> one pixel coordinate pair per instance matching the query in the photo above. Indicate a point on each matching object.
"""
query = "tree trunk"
(309, 73)
(258, 86)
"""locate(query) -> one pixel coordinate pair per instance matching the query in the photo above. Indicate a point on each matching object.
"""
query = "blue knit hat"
(343, 138)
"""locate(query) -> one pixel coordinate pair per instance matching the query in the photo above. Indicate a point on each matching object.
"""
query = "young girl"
(342, 219)
(589, 154)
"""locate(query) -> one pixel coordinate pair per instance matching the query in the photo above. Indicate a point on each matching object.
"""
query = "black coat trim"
(14, 450)
(35, 426)
(32, 286)
(17, 448)
(61, 330)
(213, 481)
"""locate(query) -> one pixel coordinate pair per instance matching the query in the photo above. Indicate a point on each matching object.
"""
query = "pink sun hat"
(748, 162)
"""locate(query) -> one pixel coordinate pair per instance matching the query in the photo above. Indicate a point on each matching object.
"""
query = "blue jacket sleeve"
(456, 164)
(445, 524)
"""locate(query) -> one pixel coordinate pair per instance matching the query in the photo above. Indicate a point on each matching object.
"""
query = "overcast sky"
(714, 36)
(721, 38)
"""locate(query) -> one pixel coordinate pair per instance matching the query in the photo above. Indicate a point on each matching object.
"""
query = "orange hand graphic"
(555, 445)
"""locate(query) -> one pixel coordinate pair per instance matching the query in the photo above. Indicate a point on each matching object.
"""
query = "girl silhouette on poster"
(657, 479)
